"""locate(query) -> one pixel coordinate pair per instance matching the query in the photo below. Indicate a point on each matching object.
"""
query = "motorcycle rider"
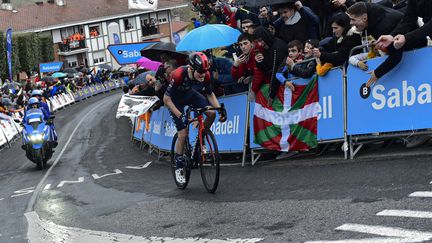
(35, 103)
(38, 94)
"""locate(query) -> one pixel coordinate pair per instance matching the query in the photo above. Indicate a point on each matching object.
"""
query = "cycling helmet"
(36, 92)
(33, 101)
(199, 62)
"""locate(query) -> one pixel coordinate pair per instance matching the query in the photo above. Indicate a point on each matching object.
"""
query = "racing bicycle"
(203, 155)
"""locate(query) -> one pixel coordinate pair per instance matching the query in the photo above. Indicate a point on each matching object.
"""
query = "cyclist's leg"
(210, 117)
(199, 101)
(182, 133)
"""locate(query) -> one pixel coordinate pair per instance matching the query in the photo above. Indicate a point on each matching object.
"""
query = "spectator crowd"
(300, 39)
(15, 95)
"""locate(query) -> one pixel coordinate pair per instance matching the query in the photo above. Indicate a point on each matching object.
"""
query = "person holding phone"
(244, 59)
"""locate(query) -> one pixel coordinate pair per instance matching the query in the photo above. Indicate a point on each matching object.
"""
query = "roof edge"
(54, 27)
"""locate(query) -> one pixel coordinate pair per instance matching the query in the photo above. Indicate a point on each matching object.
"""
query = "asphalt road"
(104, 183)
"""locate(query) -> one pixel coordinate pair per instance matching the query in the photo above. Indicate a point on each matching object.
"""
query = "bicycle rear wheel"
(187, 165)
(209, 161)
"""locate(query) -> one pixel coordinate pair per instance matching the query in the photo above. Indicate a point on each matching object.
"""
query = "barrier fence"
(398, 104)
(10, 130)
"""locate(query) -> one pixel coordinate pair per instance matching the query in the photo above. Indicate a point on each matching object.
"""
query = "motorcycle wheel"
(38, 159)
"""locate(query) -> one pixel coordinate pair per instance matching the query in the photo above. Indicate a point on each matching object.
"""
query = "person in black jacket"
(270, 53)
(292, 25)
(345, 38)
(326, 9)
(373, 19)
(406, 36)
(399, 5)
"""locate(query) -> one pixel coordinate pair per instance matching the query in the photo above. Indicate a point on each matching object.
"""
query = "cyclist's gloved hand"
(222, 115)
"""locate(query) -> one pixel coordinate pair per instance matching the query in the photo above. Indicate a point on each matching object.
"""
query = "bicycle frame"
(201, 129)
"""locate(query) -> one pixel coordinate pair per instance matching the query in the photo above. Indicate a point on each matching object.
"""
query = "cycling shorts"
(191, 98)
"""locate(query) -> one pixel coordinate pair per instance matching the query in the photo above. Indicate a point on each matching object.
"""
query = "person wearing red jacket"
(230, 16)
(245, 64)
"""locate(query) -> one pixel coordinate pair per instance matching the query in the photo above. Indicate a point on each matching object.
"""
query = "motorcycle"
(37, 137)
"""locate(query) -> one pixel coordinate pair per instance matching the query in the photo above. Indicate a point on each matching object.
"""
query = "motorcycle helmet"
(36, 92)
(34, 102)
(198, 61)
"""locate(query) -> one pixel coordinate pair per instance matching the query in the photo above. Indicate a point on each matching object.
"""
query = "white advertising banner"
(8, 129)
(143, 4)
(134, 105)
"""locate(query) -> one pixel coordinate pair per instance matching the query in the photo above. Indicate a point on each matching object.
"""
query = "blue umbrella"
(207, 37)
(58, 75)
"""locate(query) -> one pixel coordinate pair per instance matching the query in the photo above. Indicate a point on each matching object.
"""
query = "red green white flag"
(290, 123)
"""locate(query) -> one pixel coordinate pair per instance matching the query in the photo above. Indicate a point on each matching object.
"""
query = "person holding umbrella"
(182, 92)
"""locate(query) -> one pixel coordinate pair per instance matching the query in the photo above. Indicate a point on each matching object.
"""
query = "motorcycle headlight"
(36, 137)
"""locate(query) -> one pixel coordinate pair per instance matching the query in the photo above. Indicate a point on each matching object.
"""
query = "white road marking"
(421, 194)
(116, 172)
(48, 232)
(406, 213)
(368, 240)
(47, 187)
(32, 201)
(140, 166)
(23, 192)
(408, 235)
(1, 199)
(80, 180)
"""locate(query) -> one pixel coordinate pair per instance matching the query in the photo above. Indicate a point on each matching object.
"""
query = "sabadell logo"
(129, 54)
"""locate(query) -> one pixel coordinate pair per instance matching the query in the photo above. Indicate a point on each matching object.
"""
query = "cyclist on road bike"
(184, 90)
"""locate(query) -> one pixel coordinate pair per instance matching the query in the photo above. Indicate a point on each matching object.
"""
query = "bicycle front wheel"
(209, 161)
(187, 167)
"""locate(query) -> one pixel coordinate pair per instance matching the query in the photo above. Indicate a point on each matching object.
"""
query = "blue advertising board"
(157, 128)
(128, 53)
(99, 88)
(110, 85)
(148, 132)
(399, 101)
(169, 130)
(50, 67)
(331, 114)
(92, 89)
(86, 92)
(139, 129)
(230, 135)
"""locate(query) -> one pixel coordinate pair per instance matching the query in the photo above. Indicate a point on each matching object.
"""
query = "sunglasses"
(201, 71)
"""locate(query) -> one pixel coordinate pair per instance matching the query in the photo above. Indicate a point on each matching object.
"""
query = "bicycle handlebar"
(202, 110)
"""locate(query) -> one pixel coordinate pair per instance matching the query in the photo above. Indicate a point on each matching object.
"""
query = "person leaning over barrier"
(406, 36)
(345, 38)
(371, 19)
